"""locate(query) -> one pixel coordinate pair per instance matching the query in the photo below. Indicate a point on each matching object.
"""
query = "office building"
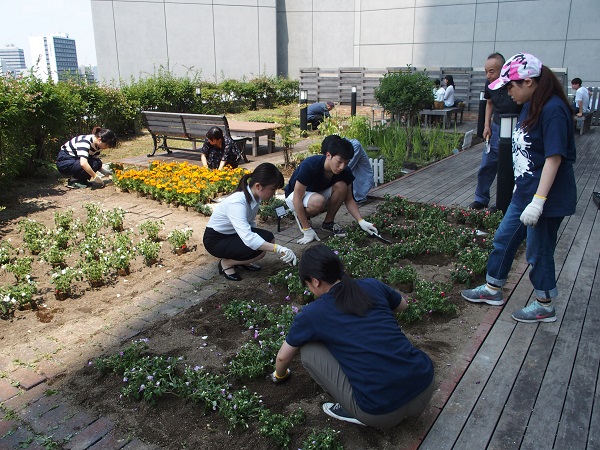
(54, 56)
(13, 60)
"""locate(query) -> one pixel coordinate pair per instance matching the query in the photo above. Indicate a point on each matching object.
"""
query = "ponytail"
(266, 174)
(321, 263)
(105, 135)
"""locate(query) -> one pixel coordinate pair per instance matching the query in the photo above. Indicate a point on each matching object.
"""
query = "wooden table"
(254, 130)
(445, 113)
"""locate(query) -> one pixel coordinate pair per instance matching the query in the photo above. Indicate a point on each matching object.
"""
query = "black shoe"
(596, 198)
(477, 205)
(250, 267)
(493, 209)
(231, 277)
(78, 184)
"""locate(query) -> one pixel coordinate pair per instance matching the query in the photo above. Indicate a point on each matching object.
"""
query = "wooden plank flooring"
(530, 386)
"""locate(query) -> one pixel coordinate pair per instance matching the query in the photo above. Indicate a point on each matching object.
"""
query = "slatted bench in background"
(186, 127)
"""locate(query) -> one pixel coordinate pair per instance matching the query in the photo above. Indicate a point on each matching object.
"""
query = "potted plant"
(56, 256)
(122, 253)
(34, 235)
(115, 218)
(178, 240)
(94, 272)
(20, 268)
(63, 219)
(63, 282)
(151, 228)
(149, 250)
(6, 250)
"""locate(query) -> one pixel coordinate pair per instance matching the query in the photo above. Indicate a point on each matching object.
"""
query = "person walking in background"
(352, 346)
(498, 102)
(79, 158)
(449, 93)
(219, 151)
(543, 146)
(324, 182)
(582, 97)
(316, 113)
(231, 232)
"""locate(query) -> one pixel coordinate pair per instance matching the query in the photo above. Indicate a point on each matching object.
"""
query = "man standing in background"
(498, 102)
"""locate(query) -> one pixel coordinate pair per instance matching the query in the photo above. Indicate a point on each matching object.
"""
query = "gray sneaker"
(481, 295)
(535, 312)
(336, 411)
(334, 228)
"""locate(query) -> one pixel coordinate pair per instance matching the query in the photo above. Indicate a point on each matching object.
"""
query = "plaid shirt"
(214, 155)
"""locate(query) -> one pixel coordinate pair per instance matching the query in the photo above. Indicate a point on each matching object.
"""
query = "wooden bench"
(186, 127)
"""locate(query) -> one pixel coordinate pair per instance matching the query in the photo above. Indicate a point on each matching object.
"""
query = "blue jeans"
(541, 242)
(488, 168)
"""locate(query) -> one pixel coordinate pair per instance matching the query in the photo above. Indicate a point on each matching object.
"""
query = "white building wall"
(236, 38)
(217, 40)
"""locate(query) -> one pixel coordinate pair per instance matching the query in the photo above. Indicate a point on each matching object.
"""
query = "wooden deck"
(529, 386)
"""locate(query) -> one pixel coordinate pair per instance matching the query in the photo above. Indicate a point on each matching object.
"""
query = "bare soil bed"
(59, 338)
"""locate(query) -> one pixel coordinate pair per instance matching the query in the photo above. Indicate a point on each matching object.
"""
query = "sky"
(21, 19)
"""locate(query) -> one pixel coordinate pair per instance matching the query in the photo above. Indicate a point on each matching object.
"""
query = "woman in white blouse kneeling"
(231, 233)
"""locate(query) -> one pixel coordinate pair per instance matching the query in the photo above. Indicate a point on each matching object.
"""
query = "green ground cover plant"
(94, 250)
(149, 377)
(416, 230)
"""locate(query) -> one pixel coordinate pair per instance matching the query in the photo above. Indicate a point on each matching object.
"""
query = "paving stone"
(6, 426)
(7, 390)
(41, 407)
(26, 397)
(90, 435)
(109, 442)
(27, 378)
(51, 368)
(191, 278)
(179, 284)
(19, 439)
(72, 424)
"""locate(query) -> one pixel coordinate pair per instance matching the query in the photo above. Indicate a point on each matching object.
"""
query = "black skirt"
(231, 246)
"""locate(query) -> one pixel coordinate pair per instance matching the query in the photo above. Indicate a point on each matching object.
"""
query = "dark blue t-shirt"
(383, 367)
(552, 135)
(311, 173)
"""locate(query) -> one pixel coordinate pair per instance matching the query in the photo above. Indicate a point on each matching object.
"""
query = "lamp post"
(303, 112)
(353, 102)
(506, 180)
(481, 115)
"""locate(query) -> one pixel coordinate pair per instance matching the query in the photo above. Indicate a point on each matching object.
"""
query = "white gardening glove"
(309, 236)
(277, 379)
(367, 227)
(97, 180)
(533, 211)
(288, 255)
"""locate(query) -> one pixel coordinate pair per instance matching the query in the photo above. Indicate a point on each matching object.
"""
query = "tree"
(404, 94)
(288, 133)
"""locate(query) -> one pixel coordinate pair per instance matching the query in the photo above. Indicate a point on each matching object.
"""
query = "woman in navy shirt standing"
(543, 146)
(352, 346)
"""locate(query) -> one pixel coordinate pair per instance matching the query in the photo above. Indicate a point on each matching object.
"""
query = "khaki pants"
(327, 373)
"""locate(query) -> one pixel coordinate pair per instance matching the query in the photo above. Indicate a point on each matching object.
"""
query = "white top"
(582, 95)
(234, 215)
(449, 96)
(439, 94)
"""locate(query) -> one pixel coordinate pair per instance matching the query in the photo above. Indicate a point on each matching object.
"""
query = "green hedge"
(37, 117)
